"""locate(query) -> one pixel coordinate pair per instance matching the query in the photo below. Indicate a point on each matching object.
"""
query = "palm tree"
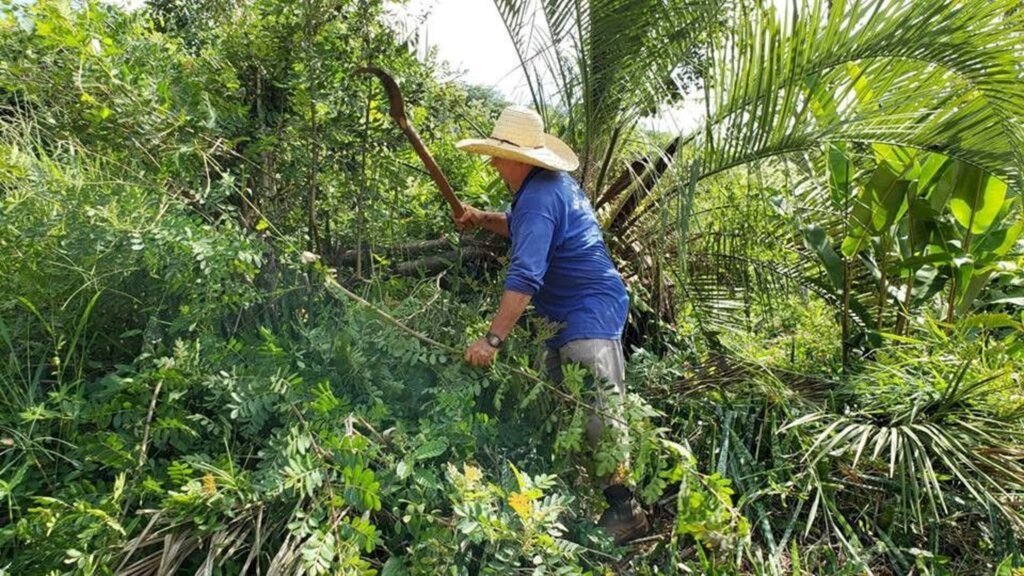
(873, 153)
(820, 86)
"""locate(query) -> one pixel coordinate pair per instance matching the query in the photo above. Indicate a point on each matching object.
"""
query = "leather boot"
(624, 520)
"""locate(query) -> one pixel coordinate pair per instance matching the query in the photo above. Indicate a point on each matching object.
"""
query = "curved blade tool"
(397, 111)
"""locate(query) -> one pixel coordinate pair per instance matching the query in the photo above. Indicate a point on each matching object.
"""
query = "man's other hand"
(480, 354)
(471, 218)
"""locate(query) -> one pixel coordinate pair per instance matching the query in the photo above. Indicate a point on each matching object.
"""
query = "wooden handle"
(397, 111)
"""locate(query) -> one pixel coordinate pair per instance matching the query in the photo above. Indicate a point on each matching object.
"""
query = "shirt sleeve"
(531, 246)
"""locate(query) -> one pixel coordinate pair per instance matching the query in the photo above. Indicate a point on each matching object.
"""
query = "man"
(560, 263)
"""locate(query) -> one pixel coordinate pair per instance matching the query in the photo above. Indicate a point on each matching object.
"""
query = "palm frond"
(936, 448)
(944, 74)
(936, 76)
(940, 76)
(610, 61)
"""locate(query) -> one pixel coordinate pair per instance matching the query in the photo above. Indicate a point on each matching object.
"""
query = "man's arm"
(513, 304)
(529, 263)
(495, 222)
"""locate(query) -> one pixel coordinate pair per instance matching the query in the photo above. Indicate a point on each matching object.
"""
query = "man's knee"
(602, 357)
(553, 365)
(595, 429)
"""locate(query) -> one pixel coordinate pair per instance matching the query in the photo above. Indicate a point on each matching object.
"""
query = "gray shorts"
(605, 360)
(603, 357)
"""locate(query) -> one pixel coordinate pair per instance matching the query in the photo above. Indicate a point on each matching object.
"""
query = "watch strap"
(494, 340)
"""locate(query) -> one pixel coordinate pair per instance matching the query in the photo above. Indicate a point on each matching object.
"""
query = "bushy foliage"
(203, 370)
(183, 389)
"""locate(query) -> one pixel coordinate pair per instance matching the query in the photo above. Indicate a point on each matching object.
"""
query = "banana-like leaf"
(877, 207)
(977, 198)
(817, 240)
(991, 321)
(998, 243)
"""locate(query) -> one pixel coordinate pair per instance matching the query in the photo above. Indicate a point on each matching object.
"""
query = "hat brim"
(554, 155)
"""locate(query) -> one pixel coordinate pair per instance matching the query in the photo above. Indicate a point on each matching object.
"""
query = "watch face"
(494, 341)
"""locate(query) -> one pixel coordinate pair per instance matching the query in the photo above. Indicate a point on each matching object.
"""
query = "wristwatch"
(494, 341)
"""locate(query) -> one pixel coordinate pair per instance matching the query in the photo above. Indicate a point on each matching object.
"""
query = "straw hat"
(519, 135)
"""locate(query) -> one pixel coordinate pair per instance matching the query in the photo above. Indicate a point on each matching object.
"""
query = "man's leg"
(624, 519)
(605, 360)
(553, 364)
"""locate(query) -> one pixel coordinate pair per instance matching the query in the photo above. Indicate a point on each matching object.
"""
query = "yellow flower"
(209, 484)
(521, 504)
(473, 474)
(621, 474)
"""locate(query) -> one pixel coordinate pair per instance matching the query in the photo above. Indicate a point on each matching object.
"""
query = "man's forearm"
(512, 306)
(495, 222)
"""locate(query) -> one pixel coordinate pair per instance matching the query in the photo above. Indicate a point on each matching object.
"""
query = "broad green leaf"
(977, 199)
(922, 223)
(394, 567)
(860, 222)
(1005, 567)
(431, 449)
(921, 209)
(816, 239)
(967, 292)
(990, 321)
(838, 173)
(931, 169)
(901, 160)
(876, 208)
(999, 242)
(915, 262)
(890, 191)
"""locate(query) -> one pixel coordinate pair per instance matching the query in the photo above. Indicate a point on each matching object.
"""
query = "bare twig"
(149, 420)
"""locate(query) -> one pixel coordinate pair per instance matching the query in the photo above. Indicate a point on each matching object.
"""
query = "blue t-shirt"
(559, 259)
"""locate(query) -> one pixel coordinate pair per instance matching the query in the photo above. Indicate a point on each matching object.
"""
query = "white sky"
(469, 34)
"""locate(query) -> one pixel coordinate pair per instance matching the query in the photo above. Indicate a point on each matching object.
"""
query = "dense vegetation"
(232, 306)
